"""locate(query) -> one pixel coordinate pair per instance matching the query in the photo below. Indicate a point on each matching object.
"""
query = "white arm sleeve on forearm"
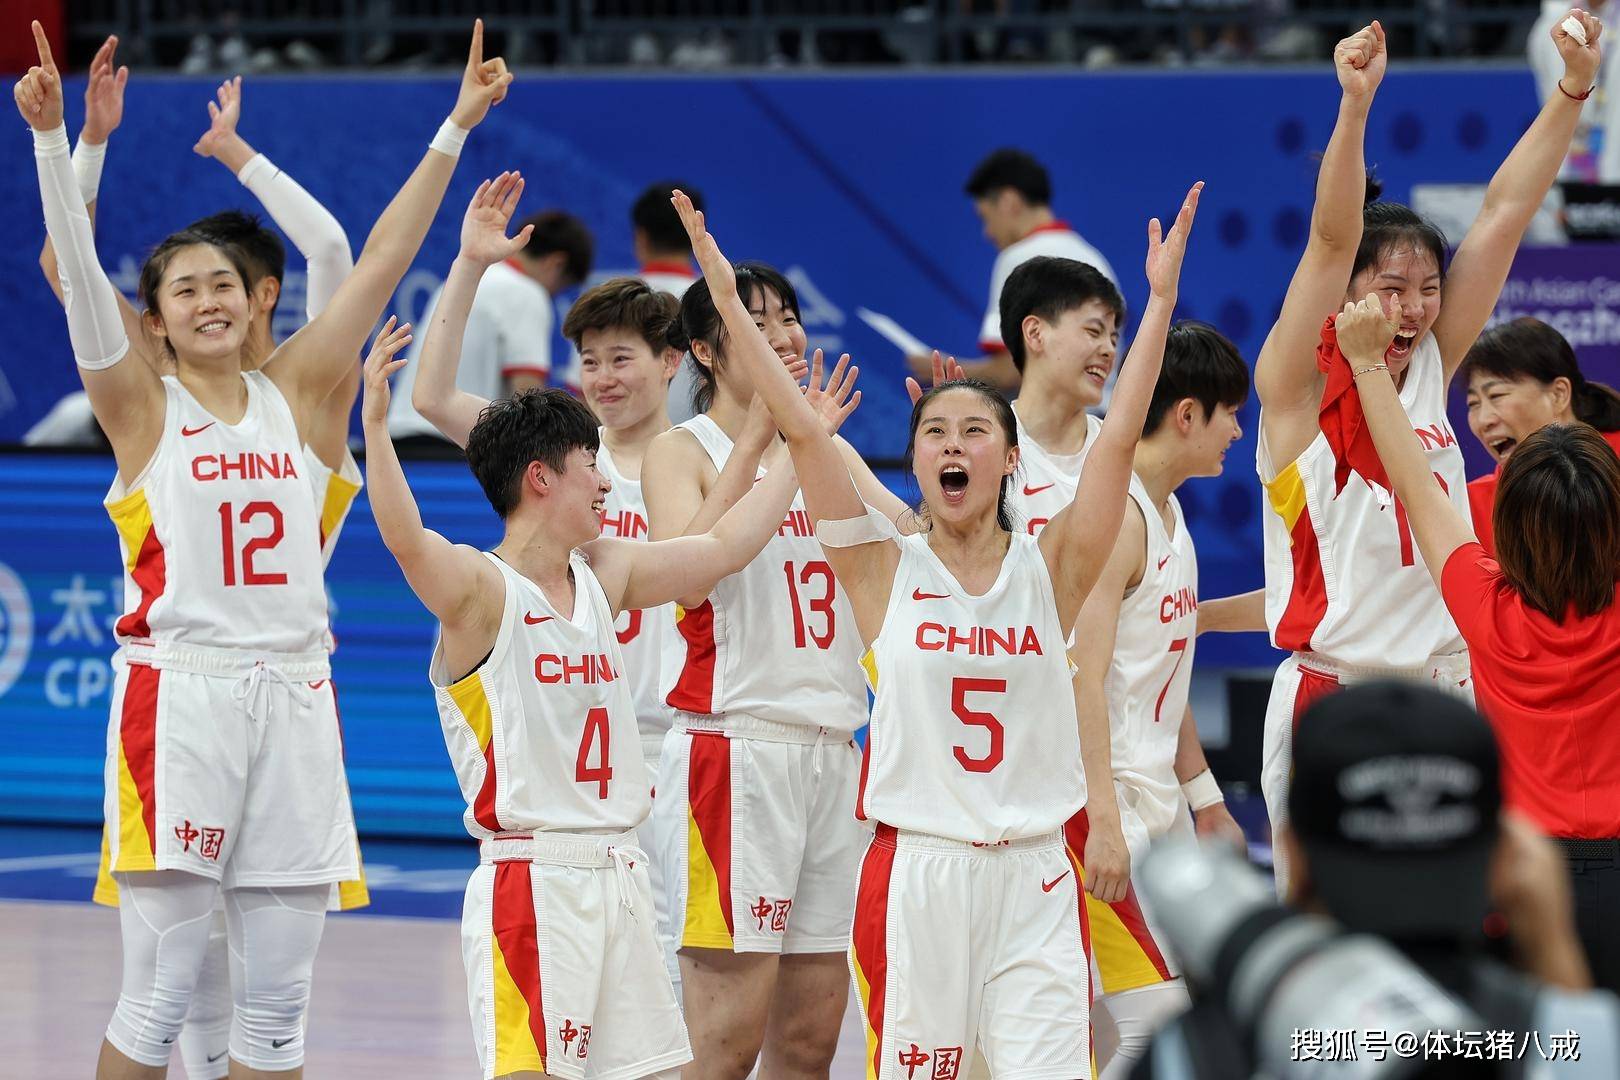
(94, 325)
(88, 160)
(309, 225)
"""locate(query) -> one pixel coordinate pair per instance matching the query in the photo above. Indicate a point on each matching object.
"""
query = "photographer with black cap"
(1397, 831)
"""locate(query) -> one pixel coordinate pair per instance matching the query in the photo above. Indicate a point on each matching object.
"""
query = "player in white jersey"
(565, 973)
(1012, 194)
(1346, 590)
(620, 328)
(970, 925)
(664, 261)
(224, 765)
(759, 772)
(1134, 648)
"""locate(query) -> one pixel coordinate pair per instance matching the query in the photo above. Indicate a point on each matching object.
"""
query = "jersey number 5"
(227, 539)
(960, 688)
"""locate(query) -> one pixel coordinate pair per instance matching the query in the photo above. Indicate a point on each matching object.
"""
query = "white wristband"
(1202, 791)
(88, 159)
(449, 140)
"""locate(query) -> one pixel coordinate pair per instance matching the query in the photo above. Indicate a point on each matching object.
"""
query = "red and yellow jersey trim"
(472, 702)
(1307, 597)
(144, 560)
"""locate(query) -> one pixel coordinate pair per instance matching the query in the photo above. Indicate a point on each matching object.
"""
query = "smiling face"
(203, 309)
(1208, 437)
(961, 454)
(623, 379)
(576, 496)
(1080, 344)
(1503, 411)
(1409, 275)
(781, 327)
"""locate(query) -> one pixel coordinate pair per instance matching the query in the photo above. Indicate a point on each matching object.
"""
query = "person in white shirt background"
(1012, 194)
(664, 261)
(1594, 155)
(508, 343)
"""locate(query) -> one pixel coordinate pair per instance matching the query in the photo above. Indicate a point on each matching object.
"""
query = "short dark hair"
(261, 248)
(700, 321)
(1010, 168)
(1047, 286)
(535, 425)
(627, 303)
(1528, 348)
(655, 216)
(1557, 520)
(1386, 226)
(558, 230)
(1004, 416)
(1199, 363)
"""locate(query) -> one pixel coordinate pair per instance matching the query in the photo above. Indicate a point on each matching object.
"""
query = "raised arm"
(1285, 374)
(1077, 541)
(1365, 331)
(127, 398)
(309, 225)
(1515, 194)
(451, 580)
(1107, 858)
(309, 364)
(829, 493)
(483, 244)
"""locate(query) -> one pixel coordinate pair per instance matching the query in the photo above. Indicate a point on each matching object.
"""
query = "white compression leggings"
(1136, 1015)
(166, 917)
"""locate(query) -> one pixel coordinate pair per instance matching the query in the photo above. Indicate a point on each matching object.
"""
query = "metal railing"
(719, 33)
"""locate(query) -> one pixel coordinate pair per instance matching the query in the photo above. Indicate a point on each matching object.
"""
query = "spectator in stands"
(1012, 194)
(665, 259)
(508, 342)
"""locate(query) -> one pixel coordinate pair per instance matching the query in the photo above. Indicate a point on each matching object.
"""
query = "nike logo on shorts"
(528, 617)
(317, 685)
(918, 594)
(1163, 561)
(198, 431)
(277, 1044)
(1038, 488)
(1048, 886)
(215, 1057)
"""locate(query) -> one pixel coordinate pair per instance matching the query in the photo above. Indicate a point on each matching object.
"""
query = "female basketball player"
(1522, 376)
(973, 757)
(1345, 588)
(333, 474)
(224, 763)
(1542, 627)
(758, 773)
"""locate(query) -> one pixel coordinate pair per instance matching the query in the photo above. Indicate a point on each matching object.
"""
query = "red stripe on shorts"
(1313, 686)
(137, 732)
(869, 937)
(708, 792)
(1076, 830)
(694, 689)
(513, 918)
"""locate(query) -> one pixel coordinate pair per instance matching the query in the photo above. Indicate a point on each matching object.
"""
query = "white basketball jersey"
(1151, 672)
(646, 637)
(1344, 577)
(543, 733)
(973, 732)
(1045, 483)
(219, 533)
(777, 639)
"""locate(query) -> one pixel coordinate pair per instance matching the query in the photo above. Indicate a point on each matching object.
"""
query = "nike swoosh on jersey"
(1163, 561)
(529, 618)
(1038, 488)
(1048, 886)
(918, 594)
(198, 431)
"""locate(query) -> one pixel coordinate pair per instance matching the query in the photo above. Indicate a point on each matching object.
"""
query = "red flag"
(1341, 417)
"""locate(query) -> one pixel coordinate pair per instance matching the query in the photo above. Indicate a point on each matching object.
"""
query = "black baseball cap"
(1395, 798)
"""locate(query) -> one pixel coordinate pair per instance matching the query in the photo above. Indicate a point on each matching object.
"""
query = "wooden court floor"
(389, 998)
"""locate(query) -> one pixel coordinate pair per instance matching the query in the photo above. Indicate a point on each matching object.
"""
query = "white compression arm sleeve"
(311, 227)
(88, 161)
(94, 325)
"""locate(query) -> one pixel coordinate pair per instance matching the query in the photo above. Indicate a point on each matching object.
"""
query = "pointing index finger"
(475, 54)
(44, 46)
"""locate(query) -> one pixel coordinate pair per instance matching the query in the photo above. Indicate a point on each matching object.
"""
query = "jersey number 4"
(961, 687)
(228, 518)
(594, 738)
